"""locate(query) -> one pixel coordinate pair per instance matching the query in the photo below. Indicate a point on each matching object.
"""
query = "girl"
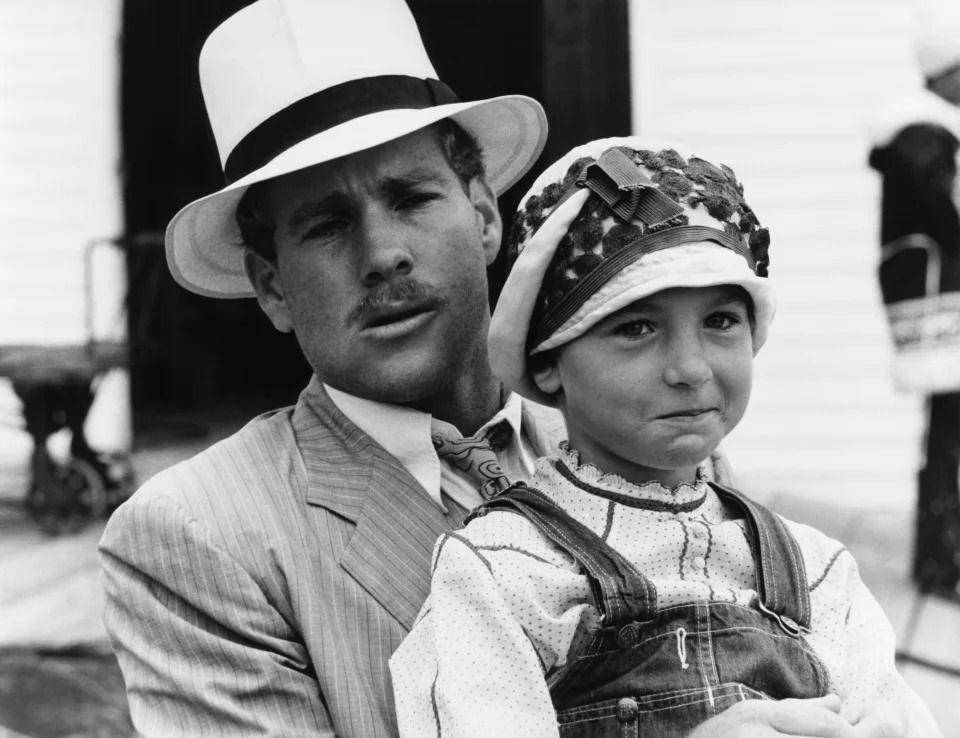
(623, 592)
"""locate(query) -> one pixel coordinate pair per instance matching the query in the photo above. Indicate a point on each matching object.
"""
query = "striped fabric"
(260, 587)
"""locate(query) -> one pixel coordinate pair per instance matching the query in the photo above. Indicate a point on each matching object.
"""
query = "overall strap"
(623, 595)
(781, 572)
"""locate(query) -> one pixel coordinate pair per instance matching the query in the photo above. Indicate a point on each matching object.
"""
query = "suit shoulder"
(239, 473)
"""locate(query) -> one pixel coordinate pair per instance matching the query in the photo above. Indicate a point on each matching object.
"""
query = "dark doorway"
(189, 353)
(192, 353)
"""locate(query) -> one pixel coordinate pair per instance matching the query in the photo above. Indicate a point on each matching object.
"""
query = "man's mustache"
(398, 292)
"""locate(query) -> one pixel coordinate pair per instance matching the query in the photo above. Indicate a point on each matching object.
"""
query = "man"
(260, 588)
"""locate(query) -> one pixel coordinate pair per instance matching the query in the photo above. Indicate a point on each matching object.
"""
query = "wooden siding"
(784, 92)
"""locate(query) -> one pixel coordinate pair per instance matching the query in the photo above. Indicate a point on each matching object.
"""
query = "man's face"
(381, 269)
(650, 391)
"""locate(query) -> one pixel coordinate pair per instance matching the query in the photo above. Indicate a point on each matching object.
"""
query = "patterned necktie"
(475, 457)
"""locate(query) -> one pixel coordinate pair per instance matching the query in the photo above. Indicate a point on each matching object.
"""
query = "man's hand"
(814, 718)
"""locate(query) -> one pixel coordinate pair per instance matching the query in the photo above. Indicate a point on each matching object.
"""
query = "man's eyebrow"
(305, 212)
(410, 178)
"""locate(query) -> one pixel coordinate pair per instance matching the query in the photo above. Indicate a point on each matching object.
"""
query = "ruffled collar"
(686, 496)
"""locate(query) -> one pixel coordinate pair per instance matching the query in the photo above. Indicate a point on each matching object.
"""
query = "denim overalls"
(651, 672)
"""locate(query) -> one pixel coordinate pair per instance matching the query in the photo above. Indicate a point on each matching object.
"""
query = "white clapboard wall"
(784, 92)
(59, 180)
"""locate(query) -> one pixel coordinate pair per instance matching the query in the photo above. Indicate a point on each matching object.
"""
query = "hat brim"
(510, 323)
(203, 243)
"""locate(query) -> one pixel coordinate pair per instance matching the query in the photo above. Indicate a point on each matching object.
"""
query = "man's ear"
(488, 217)
(265, 278)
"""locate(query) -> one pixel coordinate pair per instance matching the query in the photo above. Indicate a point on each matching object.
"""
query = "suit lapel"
(391, 550)
(397, 524)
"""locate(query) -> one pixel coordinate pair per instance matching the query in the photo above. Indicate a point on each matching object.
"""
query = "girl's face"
(650, 391)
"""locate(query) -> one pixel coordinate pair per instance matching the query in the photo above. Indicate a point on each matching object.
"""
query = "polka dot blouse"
(507, 607)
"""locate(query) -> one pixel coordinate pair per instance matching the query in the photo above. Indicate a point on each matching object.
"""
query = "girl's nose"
(687, 365)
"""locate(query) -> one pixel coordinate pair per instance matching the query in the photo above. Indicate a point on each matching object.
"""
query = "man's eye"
(723, 321)
(415, 200)
(325, 229)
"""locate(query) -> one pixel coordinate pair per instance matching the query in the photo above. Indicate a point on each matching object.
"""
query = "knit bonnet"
(612, 222)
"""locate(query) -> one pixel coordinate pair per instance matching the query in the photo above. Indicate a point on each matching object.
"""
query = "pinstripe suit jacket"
(260, 587)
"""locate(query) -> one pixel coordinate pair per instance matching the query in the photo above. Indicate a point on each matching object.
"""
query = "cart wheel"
(120, 478)
(88, 486)
(80, 497)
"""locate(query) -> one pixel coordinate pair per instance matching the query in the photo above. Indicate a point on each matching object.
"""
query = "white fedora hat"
(293, 83)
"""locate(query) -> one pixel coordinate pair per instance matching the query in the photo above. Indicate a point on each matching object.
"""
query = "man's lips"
(396, 313)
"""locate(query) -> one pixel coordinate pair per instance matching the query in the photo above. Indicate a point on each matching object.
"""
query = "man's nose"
(687, 364)
(386, 253)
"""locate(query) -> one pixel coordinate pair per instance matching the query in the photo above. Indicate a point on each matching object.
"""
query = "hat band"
(630, 253)
(328, 108)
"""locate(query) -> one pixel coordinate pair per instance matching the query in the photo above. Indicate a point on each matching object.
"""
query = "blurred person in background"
(915, 151)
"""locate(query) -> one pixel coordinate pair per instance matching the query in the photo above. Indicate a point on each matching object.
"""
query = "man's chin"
(397, 385)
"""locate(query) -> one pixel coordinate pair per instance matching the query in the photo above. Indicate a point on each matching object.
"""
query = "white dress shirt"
(406, 434)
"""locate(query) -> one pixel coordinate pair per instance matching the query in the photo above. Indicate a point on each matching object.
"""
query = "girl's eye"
(723, 321)
(634, 328)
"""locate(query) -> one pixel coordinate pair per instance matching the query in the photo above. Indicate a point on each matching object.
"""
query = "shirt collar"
(511, 413)
(653, 494)
(406, 433)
